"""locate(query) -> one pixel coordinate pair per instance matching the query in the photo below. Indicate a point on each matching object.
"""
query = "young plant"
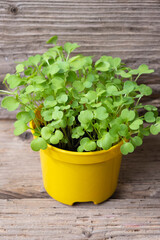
(77, 105)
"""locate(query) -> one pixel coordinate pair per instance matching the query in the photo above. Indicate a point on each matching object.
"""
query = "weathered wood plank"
(20, 171)
(39, 219)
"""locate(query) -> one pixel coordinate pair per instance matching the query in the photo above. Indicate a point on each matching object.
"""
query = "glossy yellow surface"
(80, 177)
(71, 177)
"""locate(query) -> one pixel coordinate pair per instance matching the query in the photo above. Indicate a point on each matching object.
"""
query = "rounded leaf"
(50, 102)
(136, 124)
(38, 143)
(62, 98)
(127, 148)
(19, 68)
(111, 90)
(149, 117)
(105, 142)
(155, 129)
(85, 116)
(78, 85)
(46, 133)
(58, 135)
(10, 103)
(123, 130)
(20, 127)
(137, 141)
(127, 114)
(129, 86)
(101, 113)
(25, 116)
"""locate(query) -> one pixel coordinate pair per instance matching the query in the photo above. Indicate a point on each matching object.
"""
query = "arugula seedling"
(78, 105)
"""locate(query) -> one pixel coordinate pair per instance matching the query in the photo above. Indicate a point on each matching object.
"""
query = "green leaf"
(129, 86)
(25, 116)
(19, 68)
(77, 132)
(101, 113)
(90, 146)
(145, 90)
(28, 71)
(111, 90)
(50, 102)
(155, 129)
(144, 131)
(38, 143)
(46, 133)
(87, 145)
(78, 64)
(62, 98)
(57, 83)
(78, 85)
(123, 74)
(134, 72)
(127, 148)
(29, 89)
(52, 69)
(149, 117)
(38, 79)
(20, 127)
(123, 131)
(91, 96)
(47, 115)
(52, 40)
(34, 60)
(136, 124)
(58, 135)
(128, 115)
(114, 129)
(85, 116)
(56, 115)
(10, 103)
(105, 142)
(63, 66)
(150, 108)
(136, 141)
(71, 120)
(102, 66)
(143, 69)
(87, 84)
(116, 62)
(13, 81)
(70, 47)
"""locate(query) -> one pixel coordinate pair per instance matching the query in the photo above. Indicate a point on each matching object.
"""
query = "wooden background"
(129, 29)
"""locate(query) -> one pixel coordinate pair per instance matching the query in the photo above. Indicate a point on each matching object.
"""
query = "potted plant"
(83, 117)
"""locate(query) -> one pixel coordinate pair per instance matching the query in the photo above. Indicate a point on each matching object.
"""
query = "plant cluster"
(79, 105)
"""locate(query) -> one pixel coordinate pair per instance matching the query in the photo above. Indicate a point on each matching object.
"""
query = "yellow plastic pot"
(71, 177)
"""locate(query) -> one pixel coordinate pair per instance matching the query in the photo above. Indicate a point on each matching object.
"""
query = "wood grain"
(20, 171)
(45, 219)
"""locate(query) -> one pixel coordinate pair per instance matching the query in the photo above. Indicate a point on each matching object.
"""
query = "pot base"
(71, 203)
(71, 177)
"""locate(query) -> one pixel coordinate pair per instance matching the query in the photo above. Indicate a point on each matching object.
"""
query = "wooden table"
(27, 212)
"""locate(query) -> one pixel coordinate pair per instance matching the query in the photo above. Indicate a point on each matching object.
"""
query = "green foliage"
(38, 143)
(10, 103)
(78, 105)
